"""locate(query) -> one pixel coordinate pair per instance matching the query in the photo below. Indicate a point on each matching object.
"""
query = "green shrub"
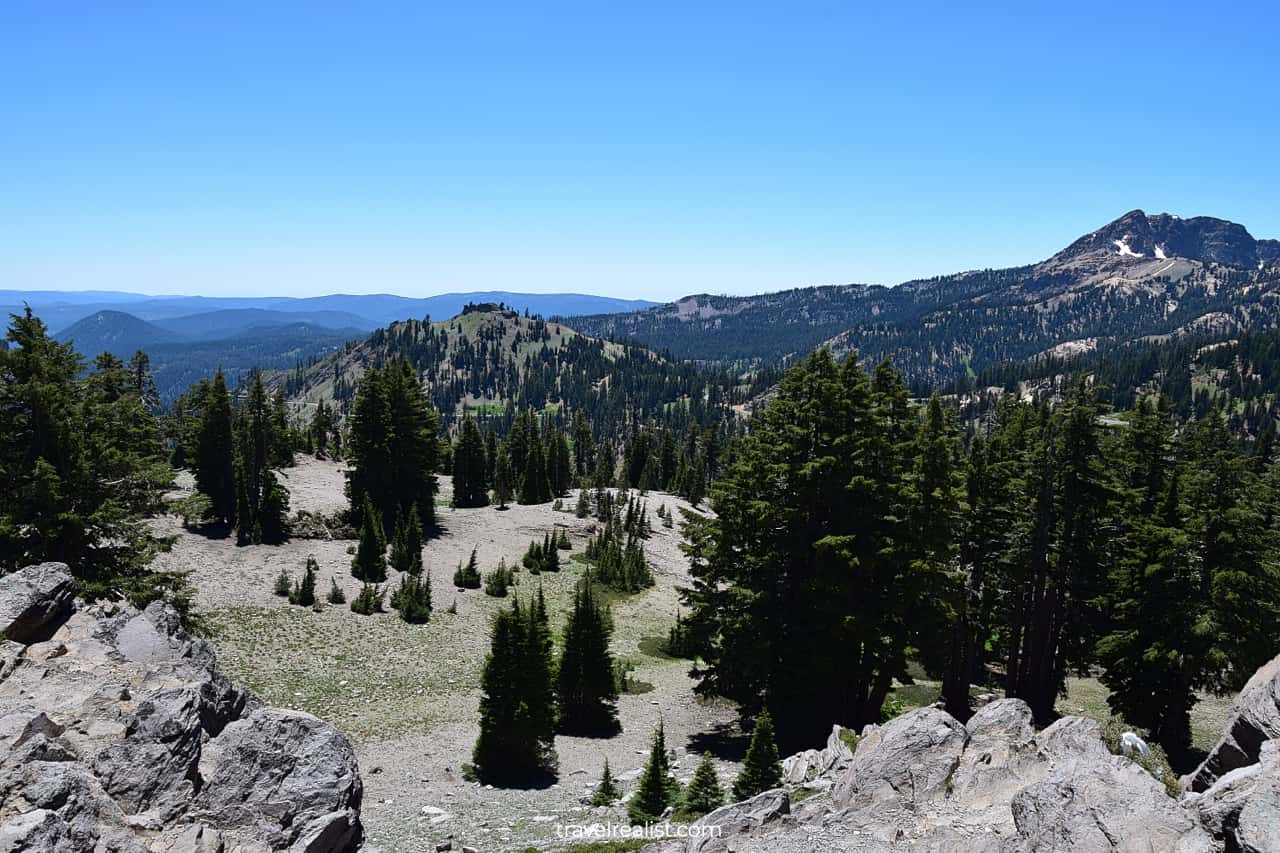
(369, 600)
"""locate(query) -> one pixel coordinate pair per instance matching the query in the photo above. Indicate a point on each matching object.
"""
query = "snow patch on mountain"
(1123, 247)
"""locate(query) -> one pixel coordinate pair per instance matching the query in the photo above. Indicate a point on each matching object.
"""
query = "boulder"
(36, 830)
(813, 763)
(1242, 809)
(35, 601)
(910, 757)
(1107, 806)
(746, 816)
(1254, 718)
(154, 766)
(117, 733)
(276, 772)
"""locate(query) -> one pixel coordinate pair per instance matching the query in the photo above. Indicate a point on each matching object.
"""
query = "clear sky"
(645, 149)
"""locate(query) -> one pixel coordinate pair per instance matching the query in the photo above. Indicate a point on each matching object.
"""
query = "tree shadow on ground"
(725, 741)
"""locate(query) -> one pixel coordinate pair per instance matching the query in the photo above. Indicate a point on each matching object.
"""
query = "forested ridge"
(1193, 277)
(1196, 374)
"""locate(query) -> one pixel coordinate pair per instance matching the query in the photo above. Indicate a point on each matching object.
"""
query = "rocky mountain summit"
(926, 782)
(1161, 237)
(117, 733)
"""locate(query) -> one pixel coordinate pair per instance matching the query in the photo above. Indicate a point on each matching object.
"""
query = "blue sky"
(644, 150)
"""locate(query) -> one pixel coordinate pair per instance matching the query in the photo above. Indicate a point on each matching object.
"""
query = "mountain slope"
(494, 361)
(1141, 276)
(230, 322)
(115, 332)
(1138, 280)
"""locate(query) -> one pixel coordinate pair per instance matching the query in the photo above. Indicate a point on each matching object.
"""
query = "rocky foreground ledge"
(926, 783)
(118, 735)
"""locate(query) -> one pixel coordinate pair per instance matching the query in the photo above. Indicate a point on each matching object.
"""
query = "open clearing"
(408, 694)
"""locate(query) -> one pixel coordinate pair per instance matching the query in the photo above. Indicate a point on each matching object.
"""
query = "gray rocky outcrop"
(117, 733)
(1254, 719)
(34, 601)
(926, 783)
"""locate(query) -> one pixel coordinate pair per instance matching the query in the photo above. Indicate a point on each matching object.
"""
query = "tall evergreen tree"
(469, 487)
(81, 466)
(370, 562)
(393, 446)
(587, 692)
(799, 580)
(262, 502)
(534, 488)
(215, 459)
(559, 465)
(583, 445)
(503, 479)
(933, 497)
(516, 743)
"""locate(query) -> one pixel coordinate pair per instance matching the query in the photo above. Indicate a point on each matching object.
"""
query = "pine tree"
(516, 742)
(468, 577)
(370, 563)
(559, 465)
(304, 594)
(607, 791)
(496, 582)
(323, 424)
(413, 598)
(393, 445)
(586, 691)
(539, 683)
(215, 467)
(704, 794)
(583, 446)
(932, 496)
(503, 488)
(406, 546)
(284, 584)
(261, 502)
(533, 485)
(368, 600)
(469, 487)
(761, 769)
(336, 595)
(654, 791)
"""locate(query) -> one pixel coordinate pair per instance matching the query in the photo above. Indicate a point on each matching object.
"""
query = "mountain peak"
(1138, 235)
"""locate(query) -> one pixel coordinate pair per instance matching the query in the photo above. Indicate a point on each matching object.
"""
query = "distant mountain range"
(188, 337)
(1140, 278)
(1135, 282)
(233, 315)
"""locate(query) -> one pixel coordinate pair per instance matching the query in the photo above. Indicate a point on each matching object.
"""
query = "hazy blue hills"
(184, 349)
(62, 309)
(115, 332)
